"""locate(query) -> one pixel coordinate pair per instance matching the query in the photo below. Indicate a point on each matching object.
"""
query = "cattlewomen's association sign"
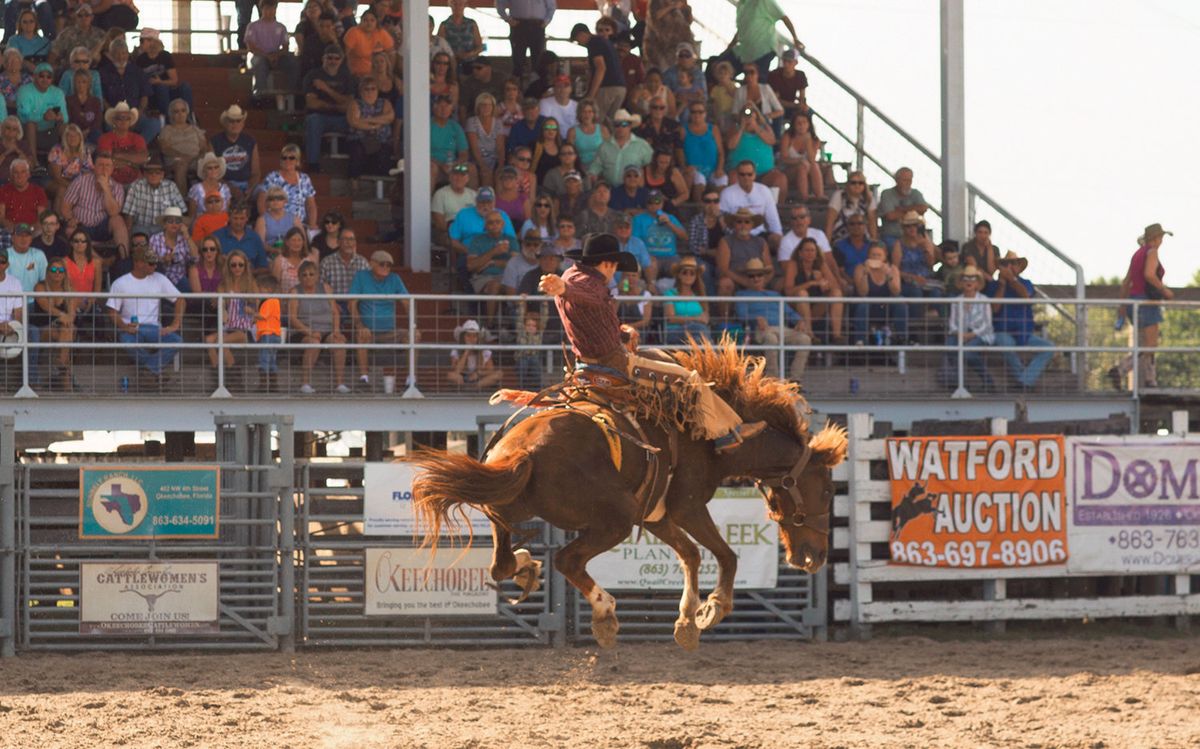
(153, 598)
(978, 501)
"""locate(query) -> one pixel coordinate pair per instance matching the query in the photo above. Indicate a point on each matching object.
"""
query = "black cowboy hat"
(597, 248)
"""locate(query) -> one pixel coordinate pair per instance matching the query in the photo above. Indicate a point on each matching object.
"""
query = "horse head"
(801, 500)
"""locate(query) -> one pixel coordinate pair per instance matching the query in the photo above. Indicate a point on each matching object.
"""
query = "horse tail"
(446, 481)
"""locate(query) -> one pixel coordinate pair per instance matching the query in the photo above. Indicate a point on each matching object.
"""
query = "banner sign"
(407, 582)
(1135, 505)
(978, 501)
(138, 502)
(649, 564)
(162, 598)
(388, 505)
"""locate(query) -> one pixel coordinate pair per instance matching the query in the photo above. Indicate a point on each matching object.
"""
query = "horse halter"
(790, 483)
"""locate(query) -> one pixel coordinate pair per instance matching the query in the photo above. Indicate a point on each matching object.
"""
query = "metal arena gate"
(252, 551)
(291, 562)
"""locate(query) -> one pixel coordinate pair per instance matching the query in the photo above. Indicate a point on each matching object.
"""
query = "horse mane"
(739, 379)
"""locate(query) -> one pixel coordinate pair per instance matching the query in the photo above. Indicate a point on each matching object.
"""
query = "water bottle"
(1120, 323)
(887, 336)
(124, 384)
(878, 336)
(134, 320)
(853, 386)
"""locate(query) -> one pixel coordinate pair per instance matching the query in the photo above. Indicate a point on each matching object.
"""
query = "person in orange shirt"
(268, 331)
(364, 40)
(214, 217)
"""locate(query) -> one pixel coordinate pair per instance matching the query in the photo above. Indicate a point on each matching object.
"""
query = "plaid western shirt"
(145, 204)
(172, 261)
(588, 312)
(339, 274)
(87, 201)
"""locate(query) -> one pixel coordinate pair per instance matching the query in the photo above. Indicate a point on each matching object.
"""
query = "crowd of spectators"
(709, 171)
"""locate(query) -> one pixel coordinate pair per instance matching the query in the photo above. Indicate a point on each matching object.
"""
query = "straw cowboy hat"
(912, 217)
(207, 159)
(755, 267)
(744, 212)
(624, 115)
(234, 113)
(121, 108)
(15, 336)
(686, 262)
(973, 272)
(470, 326)
(1153, 232)
(170, 212)
(1015, 259)
(598, 248)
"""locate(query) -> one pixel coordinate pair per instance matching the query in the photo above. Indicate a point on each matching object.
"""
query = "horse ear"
(829, 445)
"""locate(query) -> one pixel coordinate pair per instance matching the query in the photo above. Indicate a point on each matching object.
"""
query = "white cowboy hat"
(17, 336)
(170, 211)
(121, 107)
(624, 115)
(470, 326)
(233, 113)
(207, 159)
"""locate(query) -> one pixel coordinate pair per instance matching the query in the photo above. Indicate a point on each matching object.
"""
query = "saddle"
(606, 397)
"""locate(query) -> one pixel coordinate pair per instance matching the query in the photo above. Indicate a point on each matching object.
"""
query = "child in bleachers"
(268, 331)
(529, 333)
(214, 217)
(951, 270)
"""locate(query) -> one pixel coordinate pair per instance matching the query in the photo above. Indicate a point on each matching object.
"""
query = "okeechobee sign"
(647, 563)
(153, 598)
(388, 504)
(1135, 505)
(411, 582)
(978, 501)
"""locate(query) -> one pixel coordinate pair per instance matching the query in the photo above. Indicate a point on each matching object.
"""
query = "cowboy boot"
(736, 436)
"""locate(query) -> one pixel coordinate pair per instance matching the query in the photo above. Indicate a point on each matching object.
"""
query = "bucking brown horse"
(557, 465)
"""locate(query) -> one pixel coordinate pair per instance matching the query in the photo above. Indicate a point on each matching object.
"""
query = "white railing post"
(960, 353)
(25, 391)
(860, 134)
(221, 391)
(411, 391)
(859, 431)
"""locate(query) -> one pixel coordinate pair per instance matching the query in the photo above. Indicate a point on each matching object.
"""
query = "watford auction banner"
(978, 501)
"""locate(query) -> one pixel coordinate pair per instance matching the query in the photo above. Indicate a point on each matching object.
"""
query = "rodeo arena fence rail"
(259, 550)
(893, 347)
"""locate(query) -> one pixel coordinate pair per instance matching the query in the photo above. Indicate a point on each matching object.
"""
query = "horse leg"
(519, 564)
(571, 560)
(720, 602)
(687, 634)
(504, 563)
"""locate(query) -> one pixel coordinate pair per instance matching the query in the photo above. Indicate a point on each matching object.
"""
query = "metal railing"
(895, 347)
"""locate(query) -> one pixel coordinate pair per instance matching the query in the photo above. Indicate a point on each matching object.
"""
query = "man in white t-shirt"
(137, 319)
(448, 200)
(10, 297)
(801, 223)
(560, 106)
(746, 193)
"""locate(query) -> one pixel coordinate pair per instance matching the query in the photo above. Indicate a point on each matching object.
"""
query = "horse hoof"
(605, 631)
(709, 615)
(687, 634)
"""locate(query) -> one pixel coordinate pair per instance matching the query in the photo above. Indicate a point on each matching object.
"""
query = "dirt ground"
(893, 692)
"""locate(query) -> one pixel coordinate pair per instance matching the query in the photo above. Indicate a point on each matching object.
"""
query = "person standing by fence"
(1144, 281)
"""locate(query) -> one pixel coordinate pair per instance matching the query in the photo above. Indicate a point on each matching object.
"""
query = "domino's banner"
(978, 502)
(1135, 505)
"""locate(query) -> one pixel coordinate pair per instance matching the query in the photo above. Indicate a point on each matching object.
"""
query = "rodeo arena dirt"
(671, 547)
